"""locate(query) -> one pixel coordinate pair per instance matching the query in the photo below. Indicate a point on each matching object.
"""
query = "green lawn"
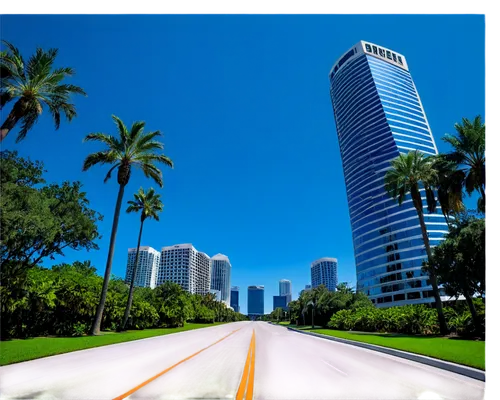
(17, 350)
(466, 352)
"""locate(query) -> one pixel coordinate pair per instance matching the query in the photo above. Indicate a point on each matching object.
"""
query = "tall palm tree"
(130, 148)
(449, 186)
(149, 205)
(469, 153)
(409, 172)
(33, 85)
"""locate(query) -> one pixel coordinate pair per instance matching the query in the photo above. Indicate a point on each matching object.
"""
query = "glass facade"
(147, 267)
(281, 302)
(256, 300)
(221, 276)
(324, 272)
(235, 298)
(378, 115)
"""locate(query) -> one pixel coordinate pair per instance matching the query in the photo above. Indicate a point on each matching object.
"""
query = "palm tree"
(469, 153)
(130, 148)
(33, 85)
(449, 183)
(408, 173)
(149, 205)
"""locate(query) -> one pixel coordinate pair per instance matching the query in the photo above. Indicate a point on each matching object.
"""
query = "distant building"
(147, 267)
(216, 293)
(186, 266)
(307, 288)
(324, 272)
(221, 276)
(235, 298)
(286, 290)
(281, 302)
(255, 300)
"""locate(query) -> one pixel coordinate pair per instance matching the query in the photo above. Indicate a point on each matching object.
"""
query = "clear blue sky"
(243, 102)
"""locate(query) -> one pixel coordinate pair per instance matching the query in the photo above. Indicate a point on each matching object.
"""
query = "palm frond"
(100, 157)
(30, 117)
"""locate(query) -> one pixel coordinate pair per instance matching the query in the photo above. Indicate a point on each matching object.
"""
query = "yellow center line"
(247, 379)
(121, 397)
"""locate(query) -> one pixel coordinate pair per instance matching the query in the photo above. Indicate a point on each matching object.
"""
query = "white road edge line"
(426, 367)
(336, 369)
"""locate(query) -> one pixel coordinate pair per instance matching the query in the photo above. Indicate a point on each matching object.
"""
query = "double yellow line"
(245, 390)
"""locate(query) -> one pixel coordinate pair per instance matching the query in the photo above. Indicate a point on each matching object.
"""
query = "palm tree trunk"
(11, 121)
(472, 309)
(96, 327)
(443, 328)
(134, 273)
(483, 195)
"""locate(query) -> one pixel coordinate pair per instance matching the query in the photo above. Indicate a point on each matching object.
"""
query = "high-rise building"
(378, 115)
(147, 267)
(186, 266)
(306, 289)
(281, 302)
(324, 272)
(286, 290)
(235, 298)
(255, 300)
(221, 276)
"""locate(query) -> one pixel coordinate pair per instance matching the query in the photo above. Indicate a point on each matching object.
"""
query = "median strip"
(245, 390)
(135, 389)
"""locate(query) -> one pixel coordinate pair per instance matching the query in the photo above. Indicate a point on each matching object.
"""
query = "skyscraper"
(235, 298)
(186, 266)
(324, 272)
(378, 115)
(221, 276)
(286, 289)
(281, 302)
(255, 300)
(147, 267)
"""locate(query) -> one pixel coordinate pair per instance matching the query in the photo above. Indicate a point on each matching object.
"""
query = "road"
(241, 361)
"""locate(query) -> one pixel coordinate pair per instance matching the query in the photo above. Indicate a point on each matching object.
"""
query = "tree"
(459, 262)
(449, 183)
(149, 205)
(408, 173)
(469, 154)
(131, 148)
(34, 85)
(38, 220)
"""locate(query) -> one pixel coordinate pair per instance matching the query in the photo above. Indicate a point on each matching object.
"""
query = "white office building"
(186, 266)
(221, 276)
(324, 272)
(286, 290)
(147, 267)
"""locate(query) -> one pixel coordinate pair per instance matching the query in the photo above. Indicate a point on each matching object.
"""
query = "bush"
(79, 329)
(409, 319)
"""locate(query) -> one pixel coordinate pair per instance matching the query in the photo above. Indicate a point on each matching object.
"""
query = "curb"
(433, 362)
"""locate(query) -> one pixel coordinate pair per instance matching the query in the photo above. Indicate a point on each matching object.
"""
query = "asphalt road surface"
(242, 361)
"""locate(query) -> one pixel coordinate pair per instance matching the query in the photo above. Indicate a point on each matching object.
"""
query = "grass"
(17, 350)
(465, 352)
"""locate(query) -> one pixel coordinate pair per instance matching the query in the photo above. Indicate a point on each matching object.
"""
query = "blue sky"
(243, 103)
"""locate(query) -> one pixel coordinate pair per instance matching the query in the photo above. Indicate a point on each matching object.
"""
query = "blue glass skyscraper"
(255, 300)
(378, 115)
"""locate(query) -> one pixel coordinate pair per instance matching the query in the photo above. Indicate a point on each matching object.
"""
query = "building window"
(400, 60)
(389, 55)
(375, 50)
(413, 295)
(382, 52)
(368, 48)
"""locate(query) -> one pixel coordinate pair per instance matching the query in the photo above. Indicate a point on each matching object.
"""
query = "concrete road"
(242, 361)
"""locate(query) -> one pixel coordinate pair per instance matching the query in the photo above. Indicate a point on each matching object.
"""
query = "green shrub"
(409, 319)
